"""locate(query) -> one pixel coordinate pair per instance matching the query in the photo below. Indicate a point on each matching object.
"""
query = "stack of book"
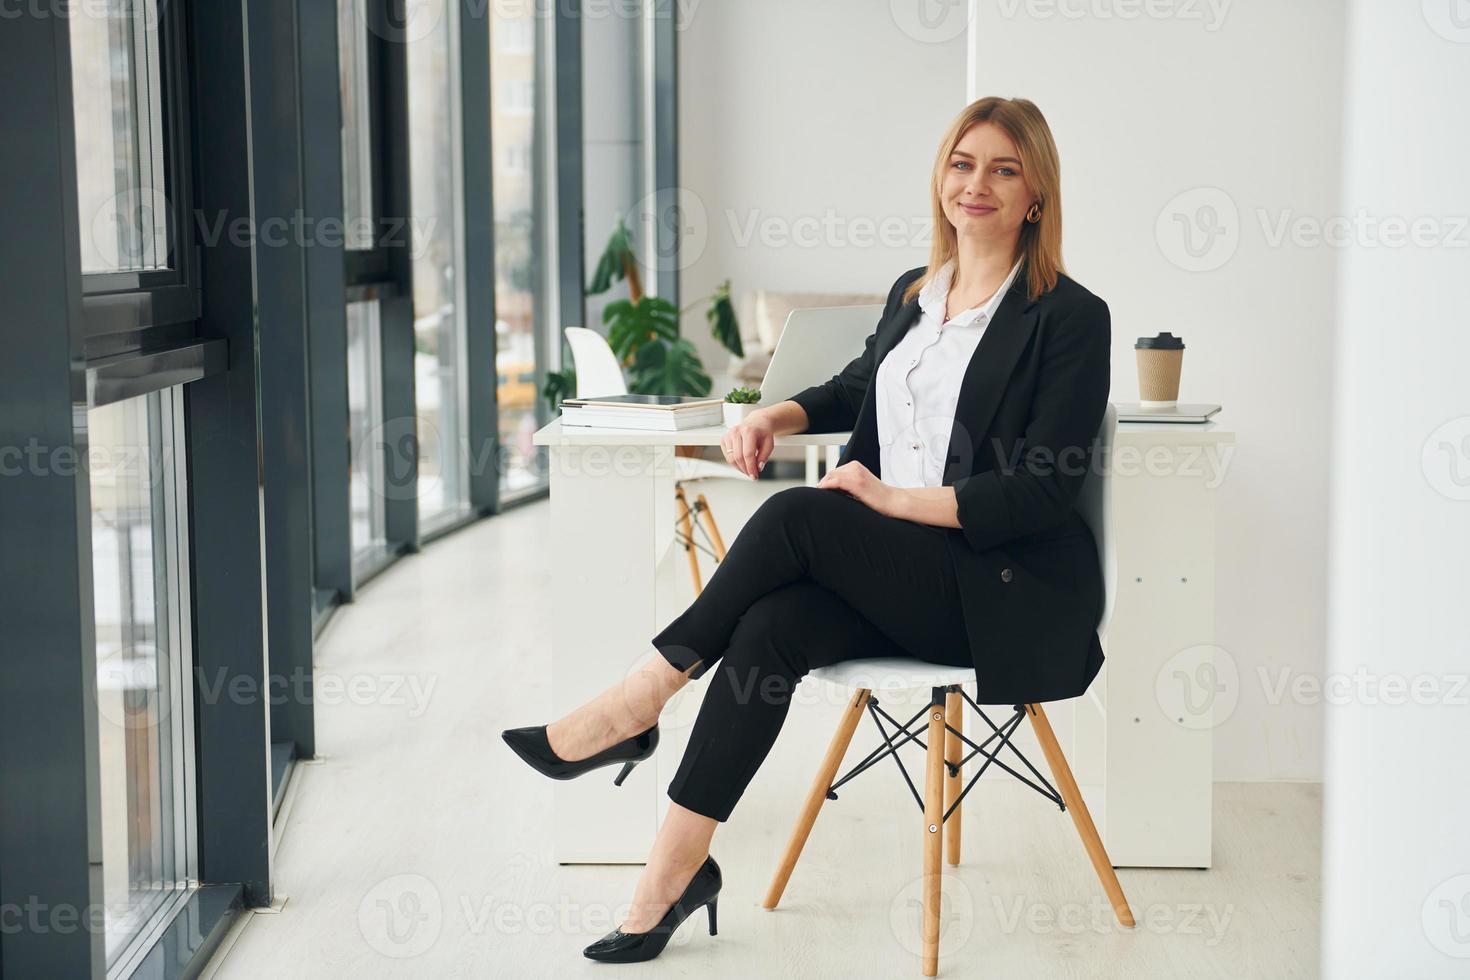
(661, 413)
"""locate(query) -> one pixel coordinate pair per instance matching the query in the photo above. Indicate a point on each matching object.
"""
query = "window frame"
(166, 436)
(385, 273)
(374, 266)
(129, 311)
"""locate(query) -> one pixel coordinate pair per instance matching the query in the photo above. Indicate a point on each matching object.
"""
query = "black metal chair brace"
(937, 699)
(686, 541)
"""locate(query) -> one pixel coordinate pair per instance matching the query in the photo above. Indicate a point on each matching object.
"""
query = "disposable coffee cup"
(1160, 359)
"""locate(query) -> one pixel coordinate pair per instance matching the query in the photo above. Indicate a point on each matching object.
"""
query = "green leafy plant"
(559, 385)
(668, 368)
(743, 396)
(644, 334)
(643, 330)
(722, 322)
(633, 323)
(618, 261)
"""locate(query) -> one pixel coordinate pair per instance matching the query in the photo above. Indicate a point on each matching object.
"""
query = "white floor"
(419, 846)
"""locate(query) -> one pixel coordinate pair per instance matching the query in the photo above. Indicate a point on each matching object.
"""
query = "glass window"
(435, 193)
(519, 187)
(515, 160)
(517, 95)
(357, 131)
(143, 663)
(118, 106)
(515, 36)
(365, 431)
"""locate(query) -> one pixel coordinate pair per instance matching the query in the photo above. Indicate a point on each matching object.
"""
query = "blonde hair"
(1040, 243)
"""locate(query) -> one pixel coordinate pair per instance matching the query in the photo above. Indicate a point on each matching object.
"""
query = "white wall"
(811, 124)
(1397, 844)
(1244, 102)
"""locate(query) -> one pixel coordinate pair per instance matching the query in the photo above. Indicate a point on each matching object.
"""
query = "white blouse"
(919, 384)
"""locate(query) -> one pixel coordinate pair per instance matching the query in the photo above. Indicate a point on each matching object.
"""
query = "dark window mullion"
(371, 265)
(182, 246)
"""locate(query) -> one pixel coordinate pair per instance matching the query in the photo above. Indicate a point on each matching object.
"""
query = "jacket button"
(1005, 574)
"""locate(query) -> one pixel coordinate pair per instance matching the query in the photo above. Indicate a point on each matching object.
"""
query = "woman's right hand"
(748, 444)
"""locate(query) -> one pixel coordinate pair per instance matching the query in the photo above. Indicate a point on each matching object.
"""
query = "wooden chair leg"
(1080, 817)
(687, 529)
(933, 824)
(817, 795)
(954, 716)
(707, 516)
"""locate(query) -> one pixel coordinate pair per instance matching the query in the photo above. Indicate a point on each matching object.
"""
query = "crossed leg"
(814, 577)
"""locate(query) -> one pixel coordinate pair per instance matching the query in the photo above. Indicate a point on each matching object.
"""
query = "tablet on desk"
(1182, 412)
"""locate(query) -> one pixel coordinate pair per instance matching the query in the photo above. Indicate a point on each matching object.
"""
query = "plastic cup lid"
(1164, 341)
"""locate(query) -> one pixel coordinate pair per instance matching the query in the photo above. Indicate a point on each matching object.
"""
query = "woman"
(947, 533)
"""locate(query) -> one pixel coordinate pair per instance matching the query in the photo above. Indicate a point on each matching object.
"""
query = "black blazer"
(1032, 400)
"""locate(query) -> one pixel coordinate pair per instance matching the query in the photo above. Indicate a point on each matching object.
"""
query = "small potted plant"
(739, 403)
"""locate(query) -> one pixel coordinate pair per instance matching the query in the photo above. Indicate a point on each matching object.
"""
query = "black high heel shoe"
(531, 744)
(635, 947)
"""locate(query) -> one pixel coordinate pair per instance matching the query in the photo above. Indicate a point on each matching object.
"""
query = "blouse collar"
(936, 292)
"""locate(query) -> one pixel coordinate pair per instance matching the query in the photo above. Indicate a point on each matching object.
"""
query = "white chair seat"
(690, 468)
(893, 674)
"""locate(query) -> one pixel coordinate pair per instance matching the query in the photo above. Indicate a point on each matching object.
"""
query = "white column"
(1396, 888)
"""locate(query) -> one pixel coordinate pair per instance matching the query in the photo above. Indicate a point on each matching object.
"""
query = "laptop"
(1181, 412)
(815, 344)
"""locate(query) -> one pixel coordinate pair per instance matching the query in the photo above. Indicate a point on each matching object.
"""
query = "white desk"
(1146, 776)
(1143, 736)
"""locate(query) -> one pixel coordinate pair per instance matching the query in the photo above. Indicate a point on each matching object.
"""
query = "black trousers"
(815, 577)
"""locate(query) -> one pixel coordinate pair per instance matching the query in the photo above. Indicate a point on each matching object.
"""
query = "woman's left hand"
(858, 481)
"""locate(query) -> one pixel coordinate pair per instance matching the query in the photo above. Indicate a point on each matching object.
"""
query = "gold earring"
(1033, 215)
